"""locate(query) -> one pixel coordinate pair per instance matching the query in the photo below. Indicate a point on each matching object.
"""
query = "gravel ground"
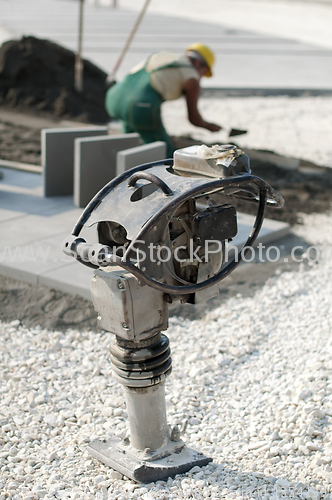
(293, 126)
(256, 387)
(255, 382)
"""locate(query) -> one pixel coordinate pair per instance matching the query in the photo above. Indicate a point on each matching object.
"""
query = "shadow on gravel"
(257, 486)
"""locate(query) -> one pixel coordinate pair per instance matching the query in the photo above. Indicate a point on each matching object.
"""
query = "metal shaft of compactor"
(142, 369)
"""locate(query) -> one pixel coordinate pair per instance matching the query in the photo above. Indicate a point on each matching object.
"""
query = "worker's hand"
(213, 127)
(191, 90)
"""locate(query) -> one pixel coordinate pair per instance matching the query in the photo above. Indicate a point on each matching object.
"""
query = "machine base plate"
(111, 453)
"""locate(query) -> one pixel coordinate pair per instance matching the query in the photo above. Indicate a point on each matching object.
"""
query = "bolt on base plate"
(111, 453)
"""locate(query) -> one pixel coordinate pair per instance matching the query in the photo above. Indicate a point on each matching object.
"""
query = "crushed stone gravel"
(297, 127)
(255, 384)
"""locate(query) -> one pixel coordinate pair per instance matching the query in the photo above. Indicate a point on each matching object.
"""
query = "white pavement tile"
(33, 229)
(73, 278)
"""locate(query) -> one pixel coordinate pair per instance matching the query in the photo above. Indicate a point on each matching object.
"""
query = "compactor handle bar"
(101, 255)
(151, 178)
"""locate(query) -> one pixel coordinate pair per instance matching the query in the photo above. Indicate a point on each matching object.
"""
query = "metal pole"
(111, 76)
(79, 61)
(146, 409)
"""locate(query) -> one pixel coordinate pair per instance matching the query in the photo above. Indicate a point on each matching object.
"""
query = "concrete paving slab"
(57, 150)
(95, 163)
(21, 195)
(42, 261)
(30, 229)
(145, 153)
(72, 278)
(21, 203)
(25, 167)
(12, 271)
(27, 262)
(25, 180)
(69, 278)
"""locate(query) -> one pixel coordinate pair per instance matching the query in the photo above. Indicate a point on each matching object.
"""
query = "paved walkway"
(267, 45)
(306, 21)
(33, 227)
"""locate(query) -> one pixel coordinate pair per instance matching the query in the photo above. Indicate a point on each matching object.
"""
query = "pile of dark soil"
(303, 191)
(38, 76)
(19, 143)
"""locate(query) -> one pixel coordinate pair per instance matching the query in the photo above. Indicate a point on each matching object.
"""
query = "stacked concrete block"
(57, 145)
(146, 153)
(80, 161)
(95, 163)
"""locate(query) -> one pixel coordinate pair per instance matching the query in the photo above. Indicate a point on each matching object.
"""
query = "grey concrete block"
(12, 271)
(146, 153)
(95, 163)
(72, 278)
(57, 147)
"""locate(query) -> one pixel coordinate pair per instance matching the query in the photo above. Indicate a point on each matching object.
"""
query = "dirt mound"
(38, 75)
(19, 143)
(303, 191)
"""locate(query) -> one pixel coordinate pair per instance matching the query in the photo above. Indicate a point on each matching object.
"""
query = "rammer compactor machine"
(162, 232)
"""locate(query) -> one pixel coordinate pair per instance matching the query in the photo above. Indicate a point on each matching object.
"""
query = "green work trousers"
(137, 104)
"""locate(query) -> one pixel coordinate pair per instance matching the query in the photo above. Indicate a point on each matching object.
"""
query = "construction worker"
(137, 99)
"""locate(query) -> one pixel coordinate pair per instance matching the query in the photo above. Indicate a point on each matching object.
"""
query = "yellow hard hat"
(205, 53)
